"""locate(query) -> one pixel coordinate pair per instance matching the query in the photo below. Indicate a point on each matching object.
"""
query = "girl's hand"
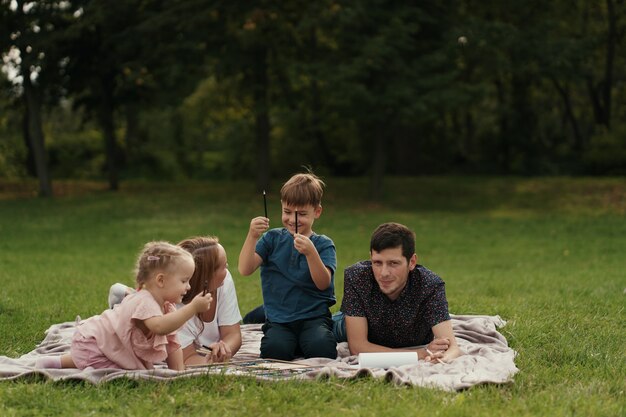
(258, 226)
(202, 303)
(169, 307)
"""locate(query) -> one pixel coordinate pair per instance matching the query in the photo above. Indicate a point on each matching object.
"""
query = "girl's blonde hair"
(206, 257)
(157, 257)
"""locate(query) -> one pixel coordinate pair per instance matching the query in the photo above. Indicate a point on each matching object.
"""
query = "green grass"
(547, 255)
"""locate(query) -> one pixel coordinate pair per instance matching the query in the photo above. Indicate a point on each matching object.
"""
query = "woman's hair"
(157, 257)
(204, 250)
(303, 189)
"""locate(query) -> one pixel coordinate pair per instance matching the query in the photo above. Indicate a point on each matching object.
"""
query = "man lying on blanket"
(390, 303)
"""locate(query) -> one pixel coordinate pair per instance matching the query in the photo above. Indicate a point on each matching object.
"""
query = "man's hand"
(441, 344)
(439, 350)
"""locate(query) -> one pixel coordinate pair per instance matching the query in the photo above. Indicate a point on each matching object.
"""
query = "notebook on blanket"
(487, 359)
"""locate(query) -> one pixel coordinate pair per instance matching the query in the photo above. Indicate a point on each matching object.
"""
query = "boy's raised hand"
(258, 226)
(201, 303)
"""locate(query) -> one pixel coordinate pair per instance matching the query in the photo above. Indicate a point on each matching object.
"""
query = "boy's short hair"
(303, 189)
(393, 235)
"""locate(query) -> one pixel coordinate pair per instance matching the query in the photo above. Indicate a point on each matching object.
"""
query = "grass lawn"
(547, 255)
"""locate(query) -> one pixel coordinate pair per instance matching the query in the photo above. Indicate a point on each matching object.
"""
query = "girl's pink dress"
(115, 334)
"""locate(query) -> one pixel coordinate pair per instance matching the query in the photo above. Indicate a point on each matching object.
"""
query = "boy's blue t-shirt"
(289, 293)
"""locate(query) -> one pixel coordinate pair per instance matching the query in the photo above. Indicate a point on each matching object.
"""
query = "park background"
(496, 130)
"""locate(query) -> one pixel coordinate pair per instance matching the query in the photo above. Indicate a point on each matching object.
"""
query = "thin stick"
(205, 350)
(296, 222)
(205, 287)
(265, 203)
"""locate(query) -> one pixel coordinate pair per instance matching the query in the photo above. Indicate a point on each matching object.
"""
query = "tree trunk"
(504, 158)
(600, 94)
(108, 131)
(325, 156)
(382, 133)
(609, 62)
(35, 136)
(180, 146)
(596, 102)
(379, 160)
(523, 122)
(132, 130)
(262, 119)
(569, 114)
(31, 169)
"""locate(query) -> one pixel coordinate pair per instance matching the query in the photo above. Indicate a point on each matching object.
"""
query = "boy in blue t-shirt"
(297, 274)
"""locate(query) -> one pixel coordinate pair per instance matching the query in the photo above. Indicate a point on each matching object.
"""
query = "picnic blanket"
(488, 360)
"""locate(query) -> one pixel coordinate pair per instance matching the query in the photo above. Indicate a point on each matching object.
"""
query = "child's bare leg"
(67, 361)
(55, 362)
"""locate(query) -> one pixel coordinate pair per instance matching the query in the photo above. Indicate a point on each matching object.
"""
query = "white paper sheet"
(386, 359)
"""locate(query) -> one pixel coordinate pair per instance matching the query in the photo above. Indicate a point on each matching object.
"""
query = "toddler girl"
(141, 330)
(218, 327)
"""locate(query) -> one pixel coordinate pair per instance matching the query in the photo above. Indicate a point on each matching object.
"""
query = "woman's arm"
(191, 357)
(231, 336)
(228, 345)
(221, 351)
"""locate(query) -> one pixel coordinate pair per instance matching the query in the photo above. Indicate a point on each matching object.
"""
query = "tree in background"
(550, 66)
(250, 31)
(392, 77)
(100, 45)
(29, 39)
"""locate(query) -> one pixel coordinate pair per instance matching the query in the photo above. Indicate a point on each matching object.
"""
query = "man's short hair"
(303, 189)
(392, 235)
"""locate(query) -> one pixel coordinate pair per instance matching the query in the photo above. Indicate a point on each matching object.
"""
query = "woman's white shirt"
(226, 313)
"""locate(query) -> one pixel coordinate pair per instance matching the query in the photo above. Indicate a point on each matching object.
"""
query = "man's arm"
(443, 331)
(356, 329)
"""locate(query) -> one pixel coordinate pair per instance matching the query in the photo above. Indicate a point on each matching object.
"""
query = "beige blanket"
(488, 359)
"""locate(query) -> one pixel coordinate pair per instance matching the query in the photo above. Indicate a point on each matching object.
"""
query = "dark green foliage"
(227, 89)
